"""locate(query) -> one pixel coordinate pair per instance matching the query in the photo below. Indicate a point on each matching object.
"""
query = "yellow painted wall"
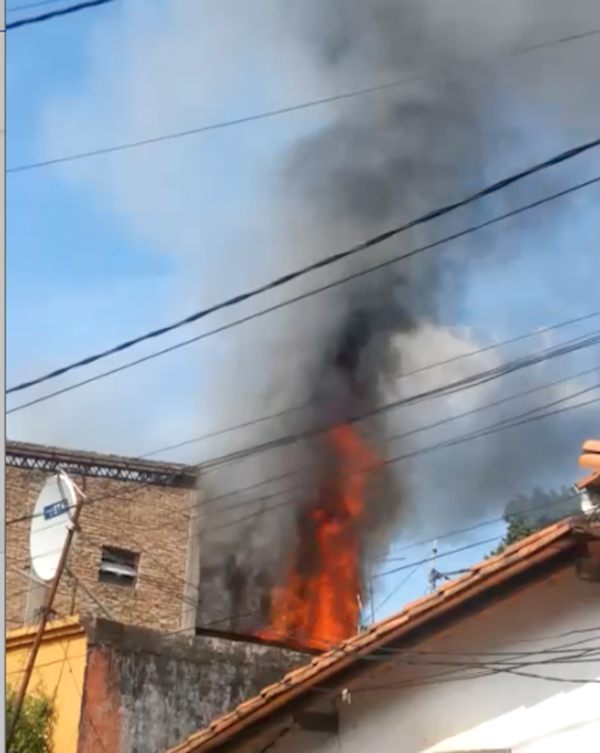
(59, 673)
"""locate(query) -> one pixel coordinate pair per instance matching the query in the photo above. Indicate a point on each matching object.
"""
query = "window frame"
(124, 560)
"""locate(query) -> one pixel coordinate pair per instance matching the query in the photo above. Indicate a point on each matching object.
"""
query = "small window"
(118, 567)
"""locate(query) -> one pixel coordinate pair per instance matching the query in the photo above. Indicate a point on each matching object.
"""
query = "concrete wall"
(58, 674)
(147, 692)
(153, 521)
(462, 691)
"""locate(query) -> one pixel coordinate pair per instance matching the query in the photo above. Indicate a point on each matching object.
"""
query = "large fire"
(319, 604)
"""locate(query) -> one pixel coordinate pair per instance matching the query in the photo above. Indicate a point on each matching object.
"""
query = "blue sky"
(104, 249)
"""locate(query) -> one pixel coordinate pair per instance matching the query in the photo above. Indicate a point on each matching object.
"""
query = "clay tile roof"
(590, 458)
(592, 445)
(592, 479)
(519, 557)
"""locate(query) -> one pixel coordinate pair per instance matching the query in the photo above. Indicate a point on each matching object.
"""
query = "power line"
(512, 654)
(465, 438)
(451, 388)
(520, 419)
(432, 679)
(476, 380)
(418, 655)
(404, 435)
(395, 590)
(318, 265)
(468, 437)
(27, 6)
(436, 424)
(420, 452)
(400, 458)
(509, 423)
(349, 95)
(403, 375)
(55, 14)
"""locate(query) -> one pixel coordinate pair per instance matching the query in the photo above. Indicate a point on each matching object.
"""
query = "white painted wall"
(435, 702)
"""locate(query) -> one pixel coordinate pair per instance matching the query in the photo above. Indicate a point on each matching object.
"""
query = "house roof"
(482, 580)
(592, 479)
(590, 458)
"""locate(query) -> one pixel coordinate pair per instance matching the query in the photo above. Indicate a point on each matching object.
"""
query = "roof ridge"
(477, 578)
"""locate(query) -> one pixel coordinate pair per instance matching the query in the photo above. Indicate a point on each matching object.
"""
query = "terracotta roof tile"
(423, 606)
(593, 479)
(514, 559)
(592, 445)
(590, 458)
(246, 705)
(449, 585)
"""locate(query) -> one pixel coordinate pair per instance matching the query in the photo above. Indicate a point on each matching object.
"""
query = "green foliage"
(526, 514)
(34, 728)
(517, 529)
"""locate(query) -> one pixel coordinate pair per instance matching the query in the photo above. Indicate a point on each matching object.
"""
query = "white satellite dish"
(50, 524)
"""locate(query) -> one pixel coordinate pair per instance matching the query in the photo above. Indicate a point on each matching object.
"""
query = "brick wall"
(150, 520)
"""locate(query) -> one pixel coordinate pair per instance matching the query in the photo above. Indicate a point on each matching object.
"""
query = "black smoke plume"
(378, 161)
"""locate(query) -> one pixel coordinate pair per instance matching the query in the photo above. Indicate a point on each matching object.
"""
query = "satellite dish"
(50, 525)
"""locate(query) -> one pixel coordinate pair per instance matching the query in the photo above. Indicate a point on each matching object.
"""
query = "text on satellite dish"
(56, 509)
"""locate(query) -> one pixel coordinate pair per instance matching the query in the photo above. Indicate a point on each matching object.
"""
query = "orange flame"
(319, 605)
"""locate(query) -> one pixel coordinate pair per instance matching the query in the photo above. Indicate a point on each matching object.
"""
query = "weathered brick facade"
(150, 519)
(144, 691)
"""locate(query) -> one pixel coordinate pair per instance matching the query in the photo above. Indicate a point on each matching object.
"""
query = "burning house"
(312, 595)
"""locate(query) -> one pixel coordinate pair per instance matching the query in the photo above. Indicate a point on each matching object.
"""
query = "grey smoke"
(357, 168)
(379, 161)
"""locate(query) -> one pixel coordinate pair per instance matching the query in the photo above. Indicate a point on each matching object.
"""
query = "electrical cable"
(327, 261)
(450, 676)
(421, 451)
(428, 560)
(304, 488)
(287, 502)
(473, 381)
(562, 654)
(406, 434)
(399, 376)
(194, 603)
(296, 299)
(395, 590)
(482, 524)
(143, 550)
(570, 397)
(172, 348)
(386, 654)
(151, 356)
(27, 6)
(348, 95)
(55, 14)
(432, 679)
(476, 380)
(509, 655)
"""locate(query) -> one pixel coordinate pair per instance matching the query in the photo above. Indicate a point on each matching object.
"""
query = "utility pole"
(46, 612)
